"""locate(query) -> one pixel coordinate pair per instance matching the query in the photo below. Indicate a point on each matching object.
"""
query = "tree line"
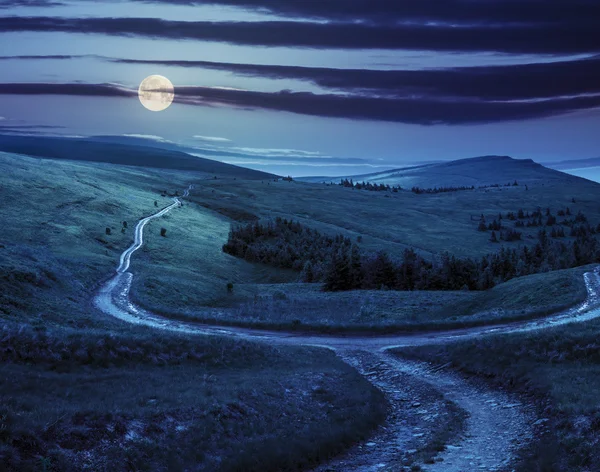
(369, 186)
(446, 189)
(339, 263)
(578, 225)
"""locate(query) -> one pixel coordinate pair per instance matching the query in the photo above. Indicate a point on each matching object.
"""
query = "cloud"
(277, 152)
(212, 139)
(78, 89)
(424, 111)
(506, 82)
(503, 82)
(449, 11)
(312, 161)
(151, 137)
(510, 38)
(27, 127)
(489, 12)
(252, 153)
(29, 3)
(38, 57)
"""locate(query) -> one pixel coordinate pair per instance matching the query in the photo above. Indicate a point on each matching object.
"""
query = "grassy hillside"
(558, 369)
(431, 223)
(306, 307)
(81, 390)
(478, 171)
(55, 250)
(121, 153)
(73, 203)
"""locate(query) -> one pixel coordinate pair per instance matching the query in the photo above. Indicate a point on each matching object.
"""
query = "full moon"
(156, 93)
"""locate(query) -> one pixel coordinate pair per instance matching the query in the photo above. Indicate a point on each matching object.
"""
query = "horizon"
(329, 97)
(300, 235)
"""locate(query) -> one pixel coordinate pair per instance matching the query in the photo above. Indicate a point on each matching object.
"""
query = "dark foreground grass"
(75, 397)
(305, 307)
(559, 369)
(107, 402)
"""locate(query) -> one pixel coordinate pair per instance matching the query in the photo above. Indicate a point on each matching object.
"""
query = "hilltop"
(133, 154)
(477, 171)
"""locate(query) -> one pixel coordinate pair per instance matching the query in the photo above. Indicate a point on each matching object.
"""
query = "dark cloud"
(403, 110)
(77, 89)
(506, 82)
(27, 127)
(512, 82)
(413, 111)
(535, 39)
(29, 3)
(487, 12)
(27, 58)
(449, 11)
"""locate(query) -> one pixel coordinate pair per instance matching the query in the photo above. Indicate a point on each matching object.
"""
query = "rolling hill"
(94, 150)
(477, 171)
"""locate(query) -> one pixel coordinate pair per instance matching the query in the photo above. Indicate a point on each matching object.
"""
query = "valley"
(267, 325)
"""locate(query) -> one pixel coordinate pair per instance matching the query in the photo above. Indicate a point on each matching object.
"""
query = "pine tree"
(308, 275)
(356, 270)
(338, 272)
(482, 226)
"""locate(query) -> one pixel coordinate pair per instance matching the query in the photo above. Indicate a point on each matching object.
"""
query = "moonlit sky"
(327, 87)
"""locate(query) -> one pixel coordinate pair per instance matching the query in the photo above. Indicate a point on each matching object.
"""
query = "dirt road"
(496, 424)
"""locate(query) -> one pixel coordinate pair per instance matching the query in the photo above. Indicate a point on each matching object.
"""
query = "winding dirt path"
(497, 424)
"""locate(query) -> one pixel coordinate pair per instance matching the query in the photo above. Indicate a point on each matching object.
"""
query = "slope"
(83, 149)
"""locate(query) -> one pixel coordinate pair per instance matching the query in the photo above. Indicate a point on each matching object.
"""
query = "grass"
(558, 369)
(104, 402)
(306, 307)
(68, 205)
(54, 246)
(123, 153)
(231, 396)
(81, 390)
(392, 221)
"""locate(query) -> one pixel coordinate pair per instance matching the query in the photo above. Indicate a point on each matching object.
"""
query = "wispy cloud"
(277, 152)
(505, 82)
(214, 139)
(454, 12)
(425, 111)
(80, 89)
(543, 38)
(489, 12)
(151, 137)
(29, 3)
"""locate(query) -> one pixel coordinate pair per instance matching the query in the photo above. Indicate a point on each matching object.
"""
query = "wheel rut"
(424, 402)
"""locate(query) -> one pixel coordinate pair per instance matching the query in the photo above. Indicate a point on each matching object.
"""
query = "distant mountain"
(130, 152)
(574, 164)
(485, 170)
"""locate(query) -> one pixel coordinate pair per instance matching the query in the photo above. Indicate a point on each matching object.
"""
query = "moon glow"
(156, 93)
